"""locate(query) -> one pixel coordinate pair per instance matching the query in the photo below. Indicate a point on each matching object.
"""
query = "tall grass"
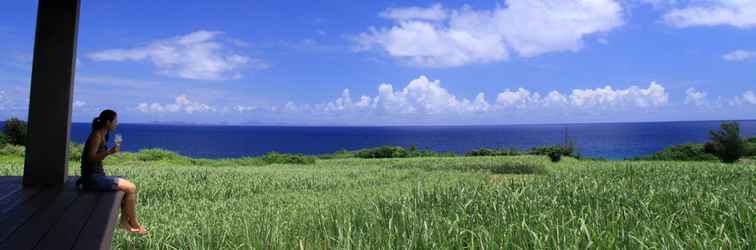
(441, 203)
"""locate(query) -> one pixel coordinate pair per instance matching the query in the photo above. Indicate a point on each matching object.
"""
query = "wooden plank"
(98, 232)
(8, 190)
(36, 227)
(10, 179)
(16, 217)
(9, 203)
(63, 235)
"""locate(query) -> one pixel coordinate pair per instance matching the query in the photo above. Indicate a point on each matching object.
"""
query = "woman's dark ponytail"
(102, 120)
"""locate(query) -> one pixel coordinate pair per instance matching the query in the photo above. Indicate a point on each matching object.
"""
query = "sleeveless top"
(93, 167)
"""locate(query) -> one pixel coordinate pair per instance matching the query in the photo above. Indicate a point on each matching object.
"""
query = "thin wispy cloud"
(198, 55)
(739, 55)
(115, 81)
(737, 13)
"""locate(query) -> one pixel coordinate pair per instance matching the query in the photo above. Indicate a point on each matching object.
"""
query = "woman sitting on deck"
(93, 175)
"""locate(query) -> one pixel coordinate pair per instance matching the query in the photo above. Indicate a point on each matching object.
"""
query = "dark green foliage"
(726, 144)
(429, 153)
(278, 158)
(75, 151)
(750, 149)
(555, 156)
(751, 140)
(683, 152)
(493, 152)
(383, 152)
(341, 154)
(156, 154)
(15, 131)
(562, 150)
(12, 150)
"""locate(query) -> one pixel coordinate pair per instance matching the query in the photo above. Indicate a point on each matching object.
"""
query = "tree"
(726, 144)
(15, 131)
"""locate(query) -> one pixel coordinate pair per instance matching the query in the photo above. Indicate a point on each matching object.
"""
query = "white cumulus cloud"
(198, 55)
(599, 98)
(181, 104)
(634, 96)
(737, 13)
(425, 97)
(747, 98)
(521, 98)
(439, 37)
(344, 102)
(693, 96)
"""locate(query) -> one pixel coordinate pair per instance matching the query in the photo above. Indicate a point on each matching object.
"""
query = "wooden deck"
(56, 217)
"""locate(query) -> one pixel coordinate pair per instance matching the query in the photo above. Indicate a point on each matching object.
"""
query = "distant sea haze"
(605, 140)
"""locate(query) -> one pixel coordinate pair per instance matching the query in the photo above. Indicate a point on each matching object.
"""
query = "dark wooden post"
(52, 85)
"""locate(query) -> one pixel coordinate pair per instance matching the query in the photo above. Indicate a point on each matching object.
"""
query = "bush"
(383, 152)
(15, 131)
(565, 151)
(341, 154)
(429, 153)
(726, 144)
(750, 149)
(555, 156)
(278, 158)
(12, 150)
(493, 152)
(75, 151)
(155, 154)
(683, 152)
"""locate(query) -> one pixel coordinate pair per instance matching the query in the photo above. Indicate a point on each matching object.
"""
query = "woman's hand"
(114, 150)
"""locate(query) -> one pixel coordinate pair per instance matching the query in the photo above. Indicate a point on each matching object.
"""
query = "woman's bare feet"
(125, 225)
(138, 230)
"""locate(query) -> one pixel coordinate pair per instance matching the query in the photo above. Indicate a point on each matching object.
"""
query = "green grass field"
(510, 202)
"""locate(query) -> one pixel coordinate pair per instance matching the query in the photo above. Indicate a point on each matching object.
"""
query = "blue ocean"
(604, 140)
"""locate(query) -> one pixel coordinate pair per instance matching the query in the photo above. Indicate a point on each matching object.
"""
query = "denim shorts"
(100, 183)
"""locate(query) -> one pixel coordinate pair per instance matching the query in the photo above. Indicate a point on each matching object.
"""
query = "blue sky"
(399, 62)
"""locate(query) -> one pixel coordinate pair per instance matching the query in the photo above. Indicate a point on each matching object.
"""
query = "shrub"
(493, 152)
(155, 154)
(429, 153)
(551, 149)
(15, 131)
(750, 149)
(341, 154)
(682, 152)
(726, 144)
(278, 158)
(12, 150)
(75, 151)
(555, 156)
(383, 152)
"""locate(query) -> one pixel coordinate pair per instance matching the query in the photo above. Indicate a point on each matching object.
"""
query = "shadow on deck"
(55, 217)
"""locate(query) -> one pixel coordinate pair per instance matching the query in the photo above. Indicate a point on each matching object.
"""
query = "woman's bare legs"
(128, 206)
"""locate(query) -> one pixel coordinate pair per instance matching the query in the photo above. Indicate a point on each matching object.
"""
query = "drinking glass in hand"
(118, 140)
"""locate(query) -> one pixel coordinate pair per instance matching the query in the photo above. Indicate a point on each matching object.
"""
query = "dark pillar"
(52, 84)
